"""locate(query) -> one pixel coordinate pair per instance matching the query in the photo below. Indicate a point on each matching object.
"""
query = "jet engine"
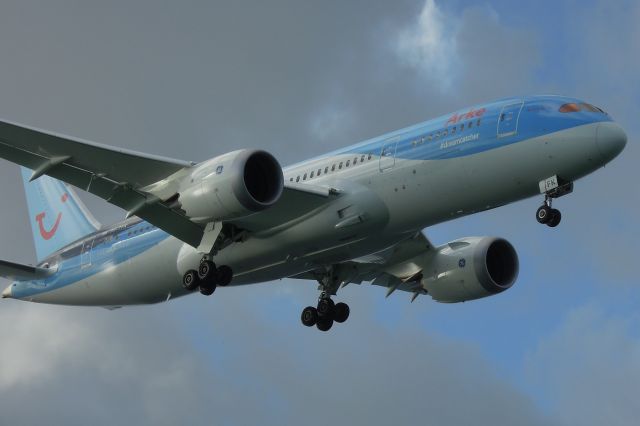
(231, 186)
(470, 268)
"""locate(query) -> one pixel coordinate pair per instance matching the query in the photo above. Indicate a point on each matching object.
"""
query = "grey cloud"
(139, 366)
(590, 368)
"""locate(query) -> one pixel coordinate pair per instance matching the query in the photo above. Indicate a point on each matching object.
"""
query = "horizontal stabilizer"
(20, 272)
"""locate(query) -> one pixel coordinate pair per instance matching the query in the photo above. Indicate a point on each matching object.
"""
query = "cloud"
(588, 369)
(239, 364)
(470, 52)
(431, 45)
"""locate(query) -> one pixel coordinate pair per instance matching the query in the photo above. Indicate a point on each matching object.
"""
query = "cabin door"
(508, 119)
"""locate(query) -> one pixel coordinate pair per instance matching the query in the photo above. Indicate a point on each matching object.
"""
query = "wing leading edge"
(122, 177)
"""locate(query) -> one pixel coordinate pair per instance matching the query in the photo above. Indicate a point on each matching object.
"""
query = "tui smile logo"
(47, 234)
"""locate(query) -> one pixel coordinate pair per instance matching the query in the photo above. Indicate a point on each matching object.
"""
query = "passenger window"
(369, 157)
(304, 177)
(311, 175)
(291, 179)
(348, 162)
(444, 133)
(340, 165)
(478, 122)
(355, 160)
(437, 135)
(319, 171)
(298, 179)
(462, 127)
(326, 170)
(362, 158)
(453, 130)
(430, 136)
(470, 125)
(333, 168)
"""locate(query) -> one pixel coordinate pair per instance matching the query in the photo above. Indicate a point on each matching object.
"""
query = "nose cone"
(6, 293)
(611, 140)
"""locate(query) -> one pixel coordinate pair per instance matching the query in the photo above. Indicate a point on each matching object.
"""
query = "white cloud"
(430, 44)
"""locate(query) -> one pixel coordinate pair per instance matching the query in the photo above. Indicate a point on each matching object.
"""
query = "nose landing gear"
(553, 187)
(547, 215)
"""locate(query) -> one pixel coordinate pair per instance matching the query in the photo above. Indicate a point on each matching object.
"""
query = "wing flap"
(392, 268)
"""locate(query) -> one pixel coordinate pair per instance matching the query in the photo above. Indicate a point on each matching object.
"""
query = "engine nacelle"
(231, 186)
(470, 268)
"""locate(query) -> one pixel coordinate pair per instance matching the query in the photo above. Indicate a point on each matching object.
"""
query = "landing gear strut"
(207, 277)
(326, 312)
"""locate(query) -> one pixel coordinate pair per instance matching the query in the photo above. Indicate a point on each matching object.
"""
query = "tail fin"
(57, 215)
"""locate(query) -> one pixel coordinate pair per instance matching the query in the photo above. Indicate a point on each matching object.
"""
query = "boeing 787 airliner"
(351, 216)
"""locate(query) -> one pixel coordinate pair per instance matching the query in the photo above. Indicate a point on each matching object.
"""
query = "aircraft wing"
(392, 268)
(17, 271)
(120, 177)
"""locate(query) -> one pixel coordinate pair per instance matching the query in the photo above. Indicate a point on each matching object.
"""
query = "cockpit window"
(591, 108)
(572, 107)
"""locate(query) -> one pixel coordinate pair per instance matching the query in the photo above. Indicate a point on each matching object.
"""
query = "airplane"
(350, 216)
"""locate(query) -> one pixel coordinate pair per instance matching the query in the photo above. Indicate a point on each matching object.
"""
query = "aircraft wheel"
(224, 275)
(206, 270)
(554, 219)
(190, 280)
(325, 308)
(207, 289)
(341, 312)
(543, 214)
(309, 316)
(324, 324)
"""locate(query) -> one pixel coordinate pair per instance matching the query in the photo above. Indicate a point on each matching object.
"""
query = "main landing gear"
(553, 187)
(207, 277)
(324, 315)
(326, 312)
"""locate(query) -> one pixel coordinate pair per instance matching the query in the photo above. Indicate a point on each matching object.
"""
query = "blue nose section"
(611, 140)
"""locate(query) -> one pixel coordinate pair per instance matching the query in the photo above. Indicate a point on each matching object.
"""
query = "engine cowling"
(470, 268)
(231, 186)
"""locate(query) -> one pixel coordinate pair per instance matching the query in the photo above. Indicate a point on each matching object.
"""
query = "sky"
(195, 79)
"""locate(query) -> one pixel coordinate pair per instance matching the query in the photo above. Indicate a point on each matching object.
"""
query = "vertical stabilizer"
(56, 214)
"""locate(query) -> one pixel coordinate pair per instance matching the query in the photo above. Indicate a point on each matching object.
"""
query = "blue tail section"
(57, 215)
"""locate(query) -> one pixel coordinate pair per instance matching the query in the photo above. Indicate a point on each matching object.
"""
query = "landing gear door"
(388, 155)
(508, 119)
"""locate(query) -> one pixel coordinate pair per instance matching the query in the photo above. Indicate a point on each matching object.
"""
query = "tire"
(207, 289)
(341, 312)
(190, 280)
(555, 218)
(224, 275)
(324, 324)
(309, 316)
(325, 308)
(206, 270)
(543, 214)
